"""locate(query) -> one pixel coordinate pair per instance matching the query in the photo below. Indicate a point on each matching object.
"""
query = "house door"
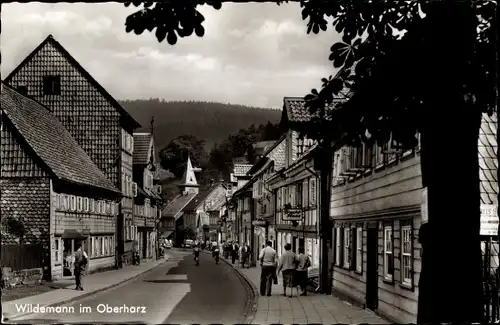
(294, 244)
(301, 244)
(372, 268)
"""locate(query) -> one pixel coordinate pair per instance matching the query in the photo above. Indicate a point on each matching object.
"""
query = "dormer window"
(52, 85)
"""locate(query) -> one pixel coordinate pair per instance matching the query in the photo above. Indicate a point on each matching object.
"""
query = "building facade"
(98, 123)
(148, 202)
(54, 197)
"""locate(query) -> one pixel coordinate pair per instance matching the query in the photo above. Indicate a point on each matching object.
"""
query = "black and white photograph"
(249, 162)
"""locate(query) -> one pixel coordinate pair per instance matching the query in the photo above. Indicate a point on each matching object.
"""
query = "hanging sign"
(424, 206)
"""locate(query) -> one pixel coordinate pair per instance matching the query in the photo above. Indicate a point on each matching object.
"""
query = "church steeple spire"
(189, 182)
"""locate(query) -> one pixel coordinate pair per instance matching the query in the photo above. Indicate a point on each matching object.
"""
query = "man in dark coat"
(234, 252)
(81, 260)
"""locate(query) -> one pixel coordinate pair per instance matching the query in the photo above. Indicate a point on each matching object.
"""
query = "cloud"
(251, 54)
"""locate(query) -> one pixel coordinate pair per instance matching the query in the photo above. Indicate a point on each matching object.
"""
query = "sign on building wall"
(312, 192)
(424, 208)
(489, 220)
(293, 215)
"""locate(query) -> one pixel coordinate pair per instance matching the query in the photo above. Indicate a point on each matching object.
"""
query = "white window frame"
(347, 244)
(86, 204)
(79, 203)
(359, 249)
(58, 202)
(73, 203)
(67, 203)
(338, 246)
(406, 255)
(92, 205)
(388, 252)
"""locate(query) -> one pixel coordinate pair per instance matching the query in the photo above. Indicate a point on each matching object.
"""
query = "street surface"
(175, 292)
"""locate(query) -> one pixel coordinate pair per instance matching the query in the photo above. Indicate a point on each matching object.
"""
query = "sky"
(252, 54)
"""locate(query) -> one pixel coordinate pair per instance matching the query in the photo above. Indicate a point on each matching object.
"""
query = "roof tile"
(488, 163)
(142, 144)
(241, 169)
(177, 205)
(50, 140)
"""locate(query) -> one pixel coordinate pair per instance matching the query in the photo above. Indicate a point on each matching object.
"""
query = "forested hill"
(209, 121)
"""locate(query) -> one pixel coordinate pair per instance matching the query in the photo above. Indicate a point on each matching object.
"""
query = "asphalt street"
(174, 292)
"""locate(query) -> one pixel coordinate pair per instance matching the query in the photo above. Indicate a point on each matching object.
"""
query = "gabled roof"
(189, 178)
(488, 162)
(241, 169)
(200, 197)
(143, 143)
(259, 163)
(51, 142)
(295, 110)
(174, 208)
(50, 39)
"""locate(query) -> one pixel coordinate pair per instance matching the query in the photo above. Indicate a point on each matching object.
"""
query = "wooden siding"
(82, 109)
(380, 196)
(28, 200)
(396, 186)
(17, 159)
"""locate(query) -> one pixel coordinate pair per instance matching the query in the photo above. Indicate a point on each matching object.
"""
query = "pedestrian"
(244, 255)
(288, 264)
(268, 261)
(304, 263)
(81, 260)
(234, 252)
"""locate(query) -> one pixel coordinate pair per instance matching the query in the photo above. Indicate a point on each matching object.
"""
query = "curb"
(11, 318)
(252, 306)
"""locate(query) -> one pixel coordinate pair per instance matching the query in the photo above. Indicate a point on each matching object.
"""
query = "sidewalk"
(313, 308)
(93, 283)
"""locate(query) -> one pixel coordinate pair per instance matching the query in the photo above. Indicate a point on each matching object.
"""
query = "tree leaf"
(199, 30)
(172, 38)
(161, 33)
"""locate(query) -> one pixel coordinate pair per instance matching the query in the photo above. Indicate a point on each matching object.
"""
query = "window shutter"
(304, 194)
(341, 251)
(353, 249)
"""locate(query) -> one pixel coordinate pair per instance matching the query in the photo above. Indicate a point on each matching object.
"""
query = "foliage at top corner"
(371, 37)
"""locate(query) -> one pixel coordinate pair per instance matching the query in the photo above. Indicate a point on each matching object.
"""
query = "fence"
(491, 280)
(21, 257)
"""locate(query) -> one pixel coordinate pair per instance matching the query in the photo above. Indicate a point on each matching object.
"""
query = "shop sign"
(489, 220)
(293, 215)
(259, 223)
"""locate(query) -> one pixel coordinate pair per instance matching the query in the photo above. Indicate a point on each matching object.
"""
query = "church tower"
(189, 183)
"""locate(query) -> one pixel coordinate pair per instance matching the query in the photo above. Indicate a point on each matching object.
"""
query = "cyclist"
(216, 253)
(196, 252)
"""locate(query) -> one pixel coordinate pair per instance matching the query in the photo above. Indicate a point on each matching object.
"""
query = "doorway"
(302, 244)
(372, 267)
(294, 244)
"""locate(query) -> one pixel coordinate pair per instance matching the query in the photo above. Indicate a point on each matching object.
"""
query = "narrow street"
(175, 292)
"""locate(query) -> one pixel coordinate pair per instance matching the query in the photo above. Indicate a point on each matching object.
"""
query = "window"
(347, 247)
(80, 204)
(338, 246)
(108, 208)
(406, 255)
(298, 195)
(359, 249)
(131, 144)
(86, 204)
(113, 208)
(96, 246)
(388, 254)
(91, 248)
(57, 202)
(73, 202)
(92, 205)
(66, 202)
(52, 85)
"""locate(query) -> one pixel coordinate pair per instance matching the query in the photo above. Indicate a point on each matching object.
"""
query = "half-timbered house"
(147, 203)
(52, 195)
(99, 124)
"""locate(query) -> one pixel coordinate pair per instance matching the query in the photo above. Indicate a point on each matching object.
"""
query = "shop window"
(406, 256)
(359, 249)
(388, 253)
(338, 246)
(347, 248)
